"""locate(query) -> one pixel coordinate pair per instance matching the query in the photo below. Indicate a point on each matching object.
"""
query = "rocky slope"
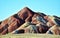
(27, 21)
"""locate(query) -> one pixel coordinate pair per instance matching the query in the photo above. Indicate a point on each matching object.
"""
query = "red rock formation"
(25, 14)
(54, 30)
(50, 21)
(13, 23)
(42, 28)
(34, 21)
(4, 25)
(4, 32)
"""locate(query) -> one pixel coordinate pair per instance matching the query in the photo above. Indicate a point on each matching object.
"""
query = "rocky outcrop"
(34, 20)
(13, 23)
(54, 30)
(27, 21)
(4, 25)
(26, 14)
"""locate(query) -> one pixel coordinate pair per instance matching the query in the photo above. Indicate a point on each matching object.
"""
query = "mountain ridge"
(27, 15)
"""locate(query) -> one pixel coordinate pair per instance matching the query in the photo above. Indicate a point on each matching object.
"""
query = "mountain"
(25, 20)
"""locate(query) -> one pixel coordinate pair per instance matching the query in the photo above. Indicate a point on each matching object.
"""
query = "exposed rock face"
(27, 21)
(31, 29)
(26, 14)
(4, 25)
(22, 27)
(34, 20)
(4, 32)
(37, 18)
(54, 30)
(42, 28)
(13, 24)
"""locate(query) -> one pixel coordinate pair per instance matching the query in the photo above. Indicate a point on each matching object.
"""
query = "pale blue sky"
(10, 7)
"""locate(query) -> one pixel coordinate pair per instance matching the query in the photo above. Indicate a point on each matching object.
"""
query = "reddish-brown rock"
(5, 32)
(13, 23)
(54, 30)
(25, 14)
(25, 19)
(34, 21)
(4, 25)
(50, 20)
(42, 28)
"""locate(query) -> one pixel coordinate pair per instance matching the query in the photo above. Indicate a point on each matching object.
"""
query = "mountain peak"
(27, 15)
(26, 8)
